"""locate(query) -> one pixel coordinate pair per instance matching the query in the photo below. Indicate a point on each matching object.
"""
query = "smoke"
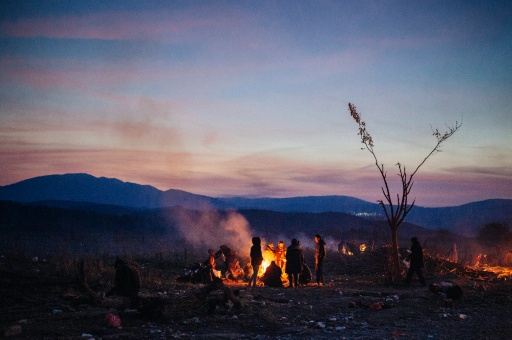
(211, 229)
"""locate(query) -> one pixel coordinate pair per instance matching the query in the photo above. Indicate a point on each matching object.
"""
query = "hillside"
(99, 190)
(75, 189)
(108, 228)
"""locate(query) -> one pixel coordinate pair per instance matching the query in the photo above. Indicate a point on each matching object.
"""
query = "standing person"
(319, 260)
(416, 265)
(294, 263)
(280, 254)
(256, 259)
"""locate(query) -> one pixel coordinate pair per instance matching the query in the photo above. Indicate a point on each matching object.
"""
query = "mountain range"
(79, 189)
(53, 227)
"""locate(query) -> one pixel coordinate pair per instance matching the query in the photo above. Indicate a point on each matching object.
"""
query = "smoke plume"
(211, 229)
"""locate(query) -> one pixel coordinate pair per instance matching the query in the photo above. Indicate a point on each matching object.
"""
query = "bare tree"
(396, 212)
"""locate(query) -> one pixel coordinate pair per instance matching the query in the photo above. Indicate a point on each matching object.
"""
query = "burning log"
(501, 272)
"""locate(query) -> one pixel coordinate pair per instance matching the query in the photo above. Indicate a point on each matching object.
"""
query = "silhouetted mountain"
(56, 190)
(463, 219)
(102, 190)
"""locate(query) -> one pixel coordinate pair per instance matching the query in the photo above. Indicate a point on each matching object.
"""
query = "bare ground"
(43, 301)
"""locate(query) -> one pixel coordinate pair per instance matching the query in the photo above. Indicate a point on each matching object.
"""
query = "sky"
(250, 97)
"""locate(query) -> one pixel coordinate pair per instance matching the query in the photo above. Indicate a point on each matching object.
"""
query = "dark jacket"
(272, 276)
(256, 255)
(305, 275)
(294, 259)
(127, 280)
(319, 250)
(416, 256)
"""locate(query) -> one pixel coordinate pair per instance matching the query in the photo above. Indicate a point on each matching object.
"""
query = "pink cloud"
(164, 25)
(255, 176)
(67, 76)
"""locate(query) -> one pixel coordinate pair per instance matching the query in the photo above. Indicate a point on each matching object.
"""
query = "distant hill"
(99, 190)
(44, 227)
(314, 204)
(463, 219)
(65, 190)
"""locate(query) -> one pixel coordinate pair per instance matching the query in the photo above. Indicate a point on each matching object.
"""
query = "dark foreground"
(43, 300)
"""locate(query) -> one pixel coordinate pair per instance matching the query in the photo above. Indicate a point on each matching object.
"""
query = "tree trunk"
(395, 260)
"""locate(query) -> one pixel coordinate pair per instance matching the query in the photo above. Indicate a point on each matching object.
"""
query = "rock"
(56, 311)
(87, 335)
(320, 324)
(340, 328)
(14, 330)
(463, 316)
(332, 318)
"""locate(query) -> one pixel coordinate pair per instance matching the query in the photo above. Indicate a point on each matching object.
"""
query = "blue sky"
(250, 98)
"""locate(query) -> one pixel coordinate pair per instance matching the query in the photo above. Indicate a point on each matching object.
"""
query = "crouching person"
(126, 282)
(272, 276)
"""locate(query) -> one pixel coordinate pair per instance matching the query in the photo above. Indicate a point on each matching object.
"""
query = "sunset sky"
(250, 97)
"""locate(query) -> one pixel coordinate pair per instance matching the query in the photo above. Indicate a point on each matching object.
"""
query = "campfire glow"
(502, 272)
(345, 251)
(362, 247)
(263, 267)
(483, 262)
(268, 257)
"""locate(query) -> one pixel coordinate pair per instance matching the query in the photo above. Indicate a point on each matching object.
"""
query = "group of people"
(290, 259)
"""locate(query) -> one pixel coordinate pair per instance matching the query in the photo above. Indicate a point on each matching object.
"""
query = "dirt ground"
(42, 300)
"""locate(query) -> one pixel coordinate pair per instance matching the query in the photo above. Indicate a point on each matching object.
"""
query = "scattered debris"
(320, 324)
(13, 330)
(56, 311)
(113, 320)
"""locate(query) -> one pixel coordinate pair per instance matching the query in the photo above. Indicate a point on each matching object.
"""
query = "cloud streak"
(235, 99)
